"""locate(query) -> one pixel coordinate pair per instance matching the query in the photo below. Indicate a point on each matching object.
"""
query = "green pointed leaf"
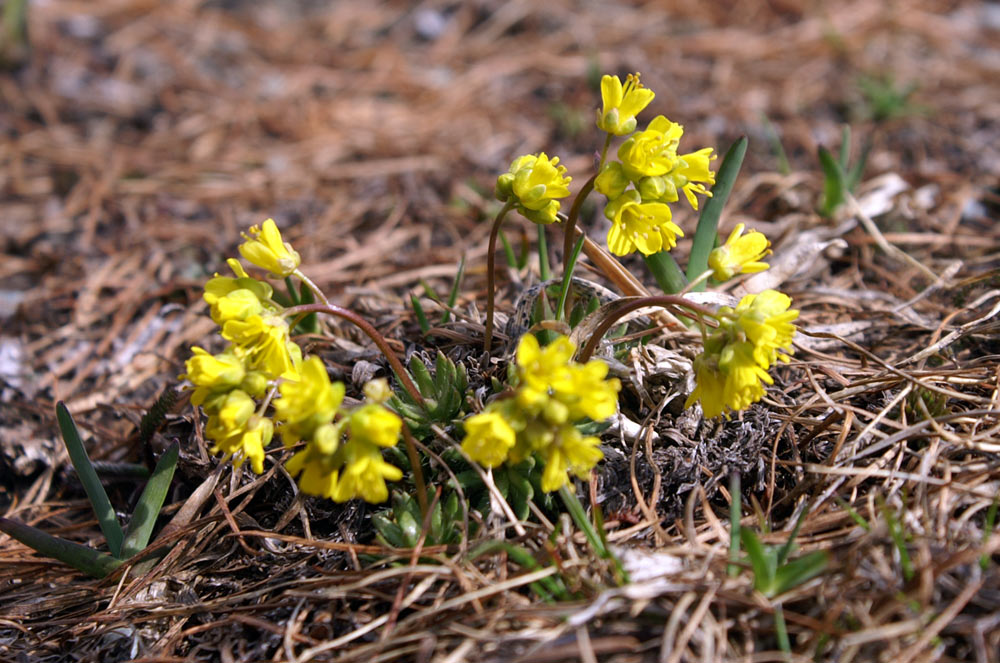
(92, 562)
(422, 376)
(410, 527)
(418, 310)
(666, 271)
(309, 324)
(140, 528)
(708, 223)
(857, 170)
(845, 148)
(88, 476)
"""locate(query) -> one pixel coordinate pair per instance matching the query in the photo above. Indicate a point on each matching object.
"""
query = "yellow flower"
(264, 247)
(264, 343)
(570, 452)
(739, 255)
(710, 386)
(652, 152)
(236, 298)
(612, 181)
(308, 403)
(212, 373)
(691, 171)
(534, 183)
(643, 226)
(233, 410)
(488, 438)
(243, 442)
(621, 103)
(317, 463)
(374, 424)
(767, 323)
(591, 394)
(364, 474)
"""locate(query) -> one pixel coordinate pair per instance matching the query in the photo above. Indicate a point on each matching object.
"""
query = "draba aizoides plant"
(537, 427)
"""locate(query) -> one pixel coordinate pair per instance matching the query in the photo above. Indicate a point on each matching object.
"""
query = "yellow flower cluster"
(341, 459)
(553, 393)
(649, 163)
(534, 184)
(328, 466)
(732, 369)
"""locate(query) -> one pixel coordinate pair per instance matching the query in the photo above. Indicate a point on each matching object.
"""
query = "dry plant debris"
(139, 139)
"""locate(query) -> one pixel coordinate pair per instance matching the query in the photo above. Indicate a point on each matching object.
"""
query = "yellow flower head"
(236, 298)
(728, 380)
(739, 255)
(263, 342)
(621, 103)
(364, 474)
(612, 180)
(637, 225)
(766, 321)
(570, 452)
(212, 373)
(691, 172)
(534, 183)
(243, 442)
(264, 247)
(373, 424)
(488, 438)
(308, 403)
(652, 152)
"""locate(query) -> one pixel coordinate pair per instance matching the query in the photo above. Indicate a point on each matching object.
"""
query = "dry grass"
(138, 139)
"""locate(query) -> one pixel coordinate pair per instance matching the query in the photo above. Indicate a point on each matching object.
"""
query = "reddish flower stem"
(666, 301)
(491, 261)
(372, 333)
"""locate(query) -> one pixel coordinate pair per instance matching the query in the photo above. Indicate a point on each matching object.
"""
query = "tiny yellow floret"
(264, 247)
(621, 103)
(740, 254)
(535, 184)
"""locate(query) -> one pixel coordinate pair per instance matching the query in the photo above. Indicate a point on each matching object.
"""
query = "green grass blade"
(708, 223)
(88, 476)
(544, 271)
(845, 149)
(308, 324)
(567, 277)
(140, 528)
(786, 548)
(735, 511)
(453, 295)
(784, 166)
(667, 272)
(763, 568)
(899, 540)
(418, 310)
(508, 252)
(833, 183)
(853, 176)
(798, 571)
(92, 562)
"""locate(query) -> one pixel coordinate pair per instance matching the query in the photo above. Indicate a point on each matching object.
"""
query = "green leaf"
(92, 562)
(568, 276)
(388, 532)
(508, 252)
(422, 376)
(410, 527)
(140, 528)
(833, 183)
(798, 571)
(309, 324)
(544, 271)
(845, 148)
(708, 223)
(857, 170)
(88, 476)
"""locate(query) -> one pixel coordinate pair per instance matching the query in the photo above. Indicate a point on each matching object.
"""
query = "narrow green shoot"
(567, 280)
(87, 560)
(418, 311)
(140, 528)
(453, 295)
(597, 542)
(508, 252)
(544, 270)
(667, 272)
(91, 483)
(784, 167)
(855, 516)
(988, 527)
(708, 223)
(899, 540)
(735, 510)
(548, 589)
(834, 183)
